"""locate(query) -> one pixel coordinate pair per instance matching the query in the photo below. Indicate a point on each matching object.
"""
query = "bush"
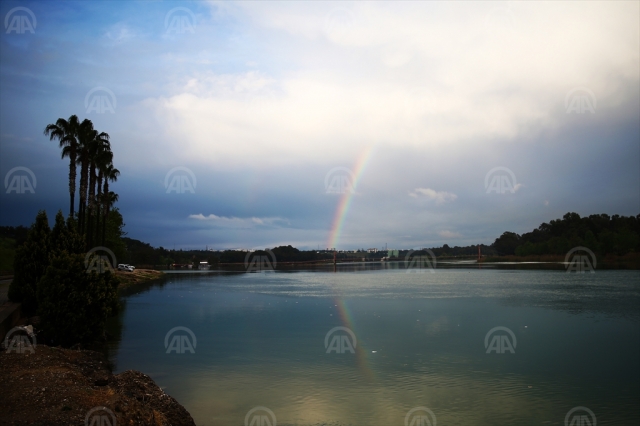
(65, 237)
(74, 305)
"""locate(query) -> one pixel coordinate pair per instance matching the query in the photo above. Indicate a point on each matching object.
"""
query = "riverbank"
(56, 386)
(138, 276)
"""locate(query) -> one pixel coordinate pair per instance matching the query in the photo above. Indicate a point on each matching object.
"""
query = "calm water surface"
(420, 342)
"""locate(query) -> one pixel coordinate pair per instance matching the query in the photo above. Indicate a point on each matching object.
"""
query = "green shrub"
(65, 237)
(74, 305)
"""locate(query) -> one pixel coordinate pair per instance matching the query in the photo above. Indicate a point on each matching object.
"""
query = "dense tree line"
(600, 233)
(51, 279)
(140, 253)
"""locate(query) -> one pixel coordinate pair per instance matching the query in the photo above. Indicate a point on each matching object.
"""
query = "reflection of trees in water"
(115, 324)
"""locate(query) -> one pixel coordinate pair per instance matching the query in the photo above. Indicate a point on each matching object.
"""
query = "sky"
(327, 124)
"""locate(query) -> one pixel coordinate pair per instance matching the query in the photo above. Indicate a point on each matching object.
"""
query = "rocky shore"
(54, 386)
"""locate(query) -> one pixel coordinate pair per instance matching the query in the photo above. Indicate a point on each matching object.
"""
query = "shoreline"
(56, 386)
(138, 276)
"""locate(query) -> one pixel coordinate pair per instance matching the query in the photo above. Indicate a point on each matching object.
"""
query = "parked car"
(125, 267)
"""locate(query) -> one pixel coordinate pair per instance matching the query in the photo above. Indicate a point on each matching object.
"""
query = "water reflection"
(261, 342)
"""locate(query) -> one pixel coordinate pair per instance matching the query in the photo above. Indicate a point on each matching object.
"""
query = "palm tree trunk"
(98, 205)
(106, 210)
(91, 203)
(72, 182)
(84, 171)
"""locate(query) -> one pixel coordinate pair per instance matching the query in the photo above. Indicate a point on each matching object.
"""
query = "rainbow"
(362, 360)
(336, 228)
(345, 200)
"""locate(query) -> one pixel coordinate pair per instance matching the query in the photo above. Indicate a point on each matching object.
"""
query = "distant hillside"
(601, 233)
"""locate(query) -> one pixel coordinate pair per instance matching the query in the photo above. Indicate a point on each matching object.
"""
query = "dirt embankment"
(137, 276)
(53, 386)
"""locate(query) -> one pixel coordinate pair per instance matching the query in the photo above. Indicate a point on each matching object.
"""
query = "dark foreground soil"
(54, 386)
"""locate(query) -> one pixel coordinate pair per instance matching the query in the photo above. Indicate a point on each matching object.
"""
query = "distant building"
(372, 250)
(204, 266)
(393, 253)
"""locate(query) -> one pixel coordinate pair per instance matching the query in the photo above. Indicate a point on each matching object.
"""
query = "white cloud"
(440, 197)
(120, 32)
(237, 222)
(435, 75)
(449, 234)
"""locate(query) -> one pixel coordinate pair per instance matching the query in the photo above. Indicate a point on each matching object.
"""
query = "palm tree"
(97, 153)
(110, 173)
(66, 131)
(109, 199)
(104, 160)
(85, 137)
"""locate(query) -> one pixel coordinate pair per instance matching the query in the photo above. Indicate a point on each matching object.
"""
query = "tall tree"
(85, 137)
(108, 198)
(97, 153)
(66, 132)
(91, 144)
(104, 160)
(30, 264)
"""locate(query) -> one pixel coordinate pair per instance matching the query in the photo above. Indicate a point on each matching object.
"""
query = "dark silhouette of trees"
(600, 233)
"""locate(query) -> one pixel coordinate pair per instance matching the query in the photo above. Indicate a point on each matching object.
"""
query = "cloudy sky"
(346, 124)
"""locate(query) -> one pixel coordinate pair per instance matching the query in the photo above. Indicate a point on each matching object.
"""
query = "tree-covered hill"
(601, 233)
